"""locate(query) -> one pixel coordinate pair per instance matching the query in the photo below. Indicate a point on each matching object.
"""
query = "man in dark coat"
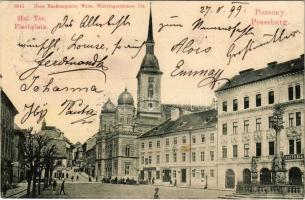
(62, 187)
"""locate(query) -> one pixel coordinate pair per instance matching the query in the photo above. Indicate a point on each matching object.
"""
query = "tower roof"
(150, 63)
(125, 98)
(108, 107)
(150, 36)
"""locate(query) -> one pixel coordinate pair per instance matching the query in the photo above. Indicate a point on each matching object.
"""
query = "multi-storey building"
(181, 151)
(245, 109)
(89, 156)
(19, 160)
(78, 156)
(64, 148)
(8, 112)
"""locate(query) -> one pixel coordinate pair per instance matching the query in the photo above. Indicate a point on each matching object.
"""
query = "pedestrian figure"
(62, 187)
(89, 178)
(72, 177)
(54, 185)
(96, 178)
(156, 195)
(153, 180)
(4, 188)
(77, 177)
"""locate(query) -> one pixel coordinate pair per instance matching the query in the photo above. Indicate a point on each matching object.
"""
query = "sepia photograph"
(152, 99)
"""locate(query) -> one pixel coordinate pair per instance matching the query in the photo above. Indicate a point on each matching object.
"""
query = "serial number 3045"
(18, 5)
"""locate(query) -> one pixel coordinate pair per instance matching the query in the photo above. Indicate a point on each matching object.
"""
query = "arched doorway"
(230, 178)
(295, 176)
(246, 176)
(265, 176)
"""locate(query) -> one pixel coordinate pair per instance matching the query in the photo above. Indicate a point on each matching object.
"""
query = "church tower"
(149, 80)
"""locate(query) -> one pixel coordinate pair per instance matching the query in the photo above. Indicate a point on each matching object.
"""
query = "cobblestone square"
(103, 190)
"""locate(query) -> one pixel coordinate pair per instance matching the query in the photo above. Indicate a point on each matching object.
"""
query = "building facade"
(64, 150)
(89, 156)
(8, 112)
(181, 151)
(78, 156)
(246, 139)
(19, 170)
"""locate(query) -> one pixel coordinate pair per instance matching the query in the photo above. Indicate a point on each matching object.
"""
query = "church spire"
(150, 37)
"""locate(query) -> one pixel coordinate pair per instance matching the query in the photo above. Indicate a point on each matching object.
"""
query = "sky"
(122, 67)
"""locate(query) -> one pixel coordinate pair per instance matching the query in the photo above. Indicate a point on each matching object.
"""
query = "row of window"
(113, 151)
(293, 93)
(194, 172)
(294, 119)
(148, 160)
(294, 148)
(202, 173)
(183, 140)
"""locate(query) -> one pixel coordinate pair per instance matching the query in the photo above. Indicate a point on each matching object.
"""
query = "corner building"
(245, 107)
(181, 151)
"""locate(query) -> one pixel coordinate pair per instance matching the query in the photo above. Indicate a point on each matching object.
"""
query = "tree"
(40, 142)
(28, 150)
(37, 153)
(48, 155)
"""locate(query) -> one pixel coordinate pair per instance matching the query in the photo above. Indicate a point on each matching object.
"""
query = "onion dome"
(125, 98)
(108, 107)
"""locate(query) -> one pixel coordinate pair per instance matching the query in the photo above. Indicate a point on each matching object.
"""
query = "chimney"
(272, 64)
(44, 124)
(246, 70)
(175, 113)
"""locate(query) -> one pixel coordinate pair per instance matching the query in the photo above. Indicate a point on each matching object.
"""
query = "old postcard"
(152, 100)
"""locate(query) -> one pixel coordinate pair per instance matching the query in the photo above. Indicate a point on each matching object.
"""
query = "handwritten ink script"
(83, 50)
